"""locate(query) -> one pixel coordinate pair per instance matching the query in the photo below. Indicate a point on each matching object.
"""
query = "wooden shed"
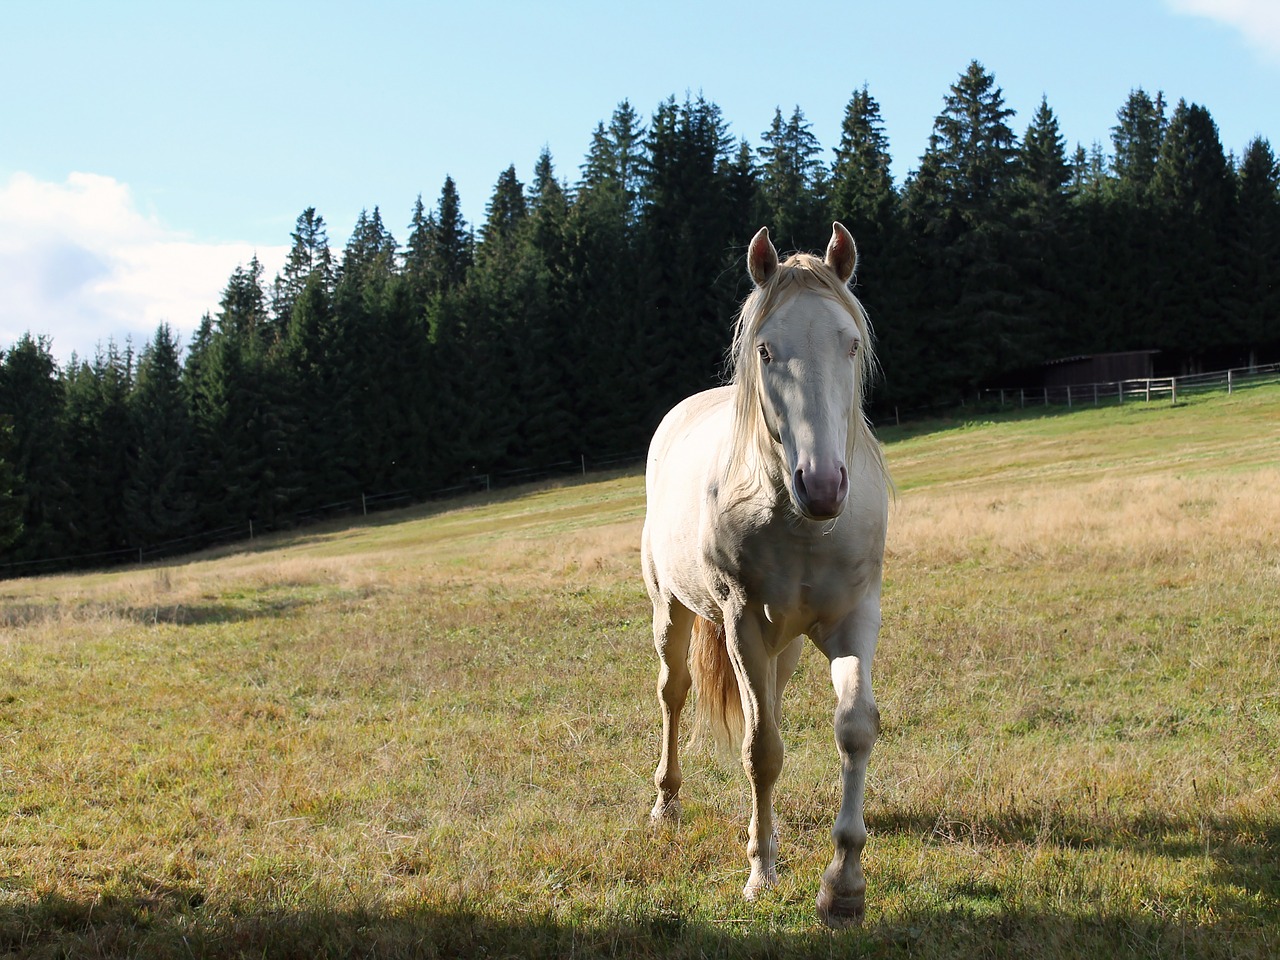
(1100, 368)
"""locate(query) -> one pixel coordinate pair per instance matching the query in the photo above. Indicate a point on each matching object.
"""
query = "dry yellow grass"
(1118, 521)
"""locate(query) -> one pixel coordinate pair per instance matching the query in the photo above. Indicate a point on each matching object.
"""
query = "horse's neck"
(758, 477)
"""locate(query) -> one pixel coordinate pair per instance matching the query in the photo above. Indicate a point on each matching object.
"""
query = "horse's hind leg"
(672, 623)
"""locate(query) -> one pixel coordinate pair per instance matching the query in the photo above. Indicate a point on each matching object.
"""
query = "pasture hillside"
(434, 734)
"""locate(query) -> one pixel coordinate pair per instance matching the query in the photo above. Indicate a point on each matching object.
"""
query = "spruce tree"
(159, 499)
(451, 241)
(615, 159)
(309, 254)
(690, 240)
(12, 502)
(792, 183)
(1194, 195)
(32, 397)
(419, 252)
(505, 212)
(862, 193)
(1040, 219)
(1136, 138)
(1255, 301)
(958, 217)
(98, 439)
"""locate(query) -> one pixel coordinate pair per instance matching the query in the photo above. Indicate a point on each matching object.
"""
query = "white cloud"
(81, 263)
(1257, 20)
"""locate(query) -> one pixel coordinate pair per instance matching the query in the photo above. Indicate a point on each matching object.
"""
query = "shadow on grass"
(190, 614)
(968, 918)
(56, 927)
(17, 615)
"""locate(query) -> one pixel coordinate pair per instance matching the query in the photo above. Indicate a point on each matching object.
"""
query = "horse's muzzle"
(819, 493)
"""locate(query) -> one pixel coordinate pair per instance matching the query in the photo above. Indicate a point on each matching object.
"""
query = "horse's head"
(805, 348)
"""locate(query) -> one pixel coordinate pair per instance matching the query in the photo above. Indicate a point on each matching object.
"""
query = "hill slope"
(434, 734)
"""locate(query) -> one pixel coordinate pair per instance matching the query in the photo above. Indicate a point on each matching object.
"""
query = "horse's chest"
(797, 580)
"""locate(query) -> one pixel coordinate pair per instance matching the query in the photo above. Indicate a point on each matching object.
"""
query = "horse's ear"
(762, 259)
(842, 253)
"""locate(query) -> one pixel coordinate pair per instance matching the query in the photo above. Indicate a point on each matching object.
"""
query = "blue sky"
(147, 148)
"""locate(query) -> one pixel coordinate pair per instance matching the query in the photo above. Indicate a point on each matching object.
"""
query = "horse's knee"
(857, 725)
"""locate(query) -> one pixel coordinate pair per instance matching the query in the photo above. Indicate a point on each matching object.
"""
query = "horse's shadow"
(171, 919)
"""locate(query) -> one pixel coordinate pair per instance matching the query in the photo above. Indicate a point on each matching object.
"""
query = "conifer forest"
(421, 357)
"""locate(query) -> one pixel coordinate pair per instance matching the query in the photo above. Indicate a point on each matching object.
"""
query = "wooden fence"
(1140, 390)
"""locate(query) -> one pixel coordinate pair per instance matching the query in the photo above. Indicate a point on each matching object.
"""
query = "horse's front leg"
(761, 745)
(842, 896)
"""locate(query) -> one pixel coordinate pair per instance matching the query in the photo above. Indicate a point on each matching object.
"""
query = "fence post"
(1228, 383)
(1046, 396)
(1002, 398)
(364, 506)
(1022, 397)
(1148, 400)
(584, 464)
(1173, 390)
(1068, 396)
(250, 529)
(1095, 394)
(1120, 391)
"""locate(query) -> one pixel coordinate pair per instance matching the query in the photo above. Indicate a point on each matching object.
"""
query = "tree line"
(577, 313)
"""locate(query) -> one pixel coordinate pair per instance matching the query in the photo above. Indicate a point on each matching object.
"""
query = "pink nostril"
(824, 495)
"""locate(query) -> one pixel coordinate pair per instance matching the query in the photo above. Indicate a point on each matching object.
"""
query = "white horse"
(766, 515)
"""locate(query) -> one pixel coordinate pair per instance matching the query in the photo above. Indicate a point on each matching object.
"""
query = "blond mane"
(751, 443)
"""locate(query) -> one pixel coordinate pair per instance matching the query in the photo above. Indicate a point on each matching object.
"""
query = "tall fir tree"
(1255, 242)
(33, 397)
(159, 499)
(1136, 139)
(12, 502)
(1194, 196)
(792, 183)
(957, 213)
(451, 245)
(505, 212)
(98, 440)
(1040, 219)
(615, 160)
(862, 193)
(690, 240)
(309, 254)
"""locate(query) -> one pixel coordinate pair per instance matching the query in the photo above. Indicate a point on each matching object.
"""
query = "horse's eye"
(853, 350)
(763, 350)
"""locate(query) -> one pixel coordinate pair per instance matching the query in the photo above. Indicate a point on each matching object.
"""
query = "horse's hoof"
(665, 812)
(758, 884)
(838, 911)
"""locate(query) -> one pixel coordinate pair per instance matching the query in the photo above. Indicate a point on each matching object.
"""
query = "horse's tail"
(719, 705)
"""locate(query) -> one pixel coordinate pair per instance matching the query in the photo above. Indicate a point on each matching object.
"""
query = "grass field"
(433, 735)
